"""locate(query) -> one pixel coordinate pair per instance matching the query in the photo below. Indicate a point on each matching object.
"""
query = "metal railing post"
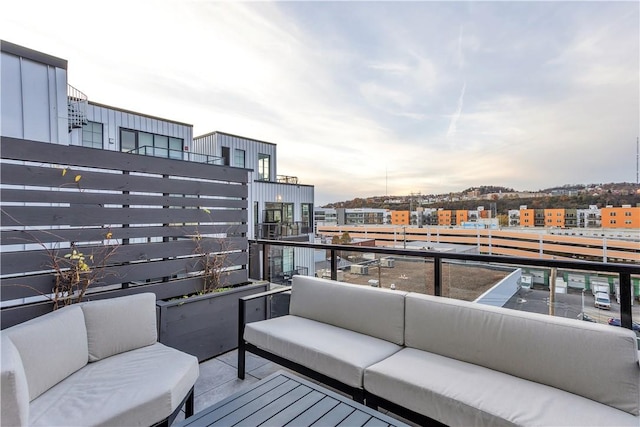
(437, 276)
(626, 320)
(265, 262)
(334, 265)
(241, 344)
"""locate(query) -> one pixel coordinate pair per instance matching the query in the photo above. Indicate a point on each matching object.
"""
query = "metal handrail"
(623, 270)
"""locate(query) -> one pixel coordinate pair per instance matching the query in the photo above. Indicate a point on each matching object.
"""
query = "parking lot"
(567, 305)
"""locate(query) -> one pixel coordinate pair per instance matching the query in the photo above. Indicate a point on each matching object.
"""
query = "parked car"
(602, 301)
(614, 321)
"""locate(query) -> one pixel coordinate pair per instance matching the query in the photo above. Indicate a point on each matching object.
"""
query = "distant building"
(625, 216)
(589, 218)
(350, 216)
(400, 217)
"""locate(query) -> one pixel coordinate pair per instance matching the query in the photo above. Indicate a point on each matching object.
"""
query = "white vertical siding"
(33, 100)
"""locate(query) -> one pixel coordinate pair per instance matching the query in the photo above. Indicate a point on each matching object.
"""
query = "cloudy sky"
(370, 98)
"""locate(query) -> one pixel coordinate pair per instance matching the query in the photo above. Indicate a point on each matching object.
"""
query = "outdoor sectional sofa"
(438, 360)
(94, 364)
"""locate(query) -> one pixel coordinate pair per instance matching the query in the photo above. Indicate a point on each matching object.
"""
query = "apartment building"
(625, 216)
(554, 218)
(400, 217)
(589, 218)
(355, 216)
(444, 217)
(608, 217)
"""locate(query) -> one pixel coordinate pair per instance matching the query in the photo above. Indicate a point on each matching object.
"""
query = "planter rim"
(194, 298)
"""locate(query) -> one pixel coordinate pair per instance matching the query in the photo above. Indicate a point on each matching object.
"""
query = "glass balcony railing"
(549, 286)
(279, 230)
(148, 150)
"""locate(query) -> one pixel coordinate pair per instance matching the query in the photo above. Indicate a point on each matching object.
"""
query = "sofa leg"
(241, 359)
(189, 406)
(358, 396)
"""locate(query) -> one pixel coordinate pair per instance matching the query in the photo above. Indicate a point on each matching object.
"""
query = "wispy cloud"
(453, 124)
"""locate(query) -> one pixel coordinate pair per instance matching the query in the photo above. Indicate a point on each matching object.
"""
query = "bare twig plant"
(213, 264)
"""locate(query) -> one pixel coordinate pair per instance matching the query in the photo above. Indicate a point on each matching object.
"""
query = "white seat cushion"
(338, 353)
(458, 393)
(135, 388)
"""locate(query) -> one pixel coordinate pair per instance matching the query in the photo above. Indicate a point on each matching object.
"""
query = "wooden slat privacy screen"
(137, 219)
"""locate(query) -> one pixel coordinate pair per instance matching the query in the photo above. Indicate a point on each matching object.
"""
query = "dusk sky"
(370, 98)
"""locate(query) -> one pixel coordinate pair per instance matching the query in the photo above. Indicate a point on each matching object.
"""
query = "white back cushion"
(121, 324)
(596, 361)
(372, 311)
(51, 347)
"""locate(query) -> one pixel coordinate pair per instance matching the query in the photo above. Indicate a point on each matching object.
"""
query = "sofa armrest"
(242, 321)
(242, 309)
(15, 391)
(266, 293)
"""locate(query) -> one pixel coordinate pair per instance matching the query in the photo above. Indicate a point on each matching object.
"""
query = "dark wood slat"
(356, 418)
(232, 403)
(30, 175)
(12, 316)
(376, 422)
(98, 216)
(335, 416)
(40, 284)
(251, 407)
(87, 234)
(290, 413)
(20, 149)
(276, 406)
(86, 197)
(315, 412)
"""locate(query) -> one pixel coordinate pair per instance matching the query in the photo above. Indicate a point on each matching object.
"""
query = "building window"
(150, 144)
(92, 135)
(264, 167)
(128, 140)
(226, 156)
(238, 158)
(306, 210)
(627, 214)
(287, 213)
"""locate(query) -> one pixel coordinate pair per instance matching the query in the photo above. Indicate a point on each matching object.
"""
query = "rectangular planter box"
(205, 325)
